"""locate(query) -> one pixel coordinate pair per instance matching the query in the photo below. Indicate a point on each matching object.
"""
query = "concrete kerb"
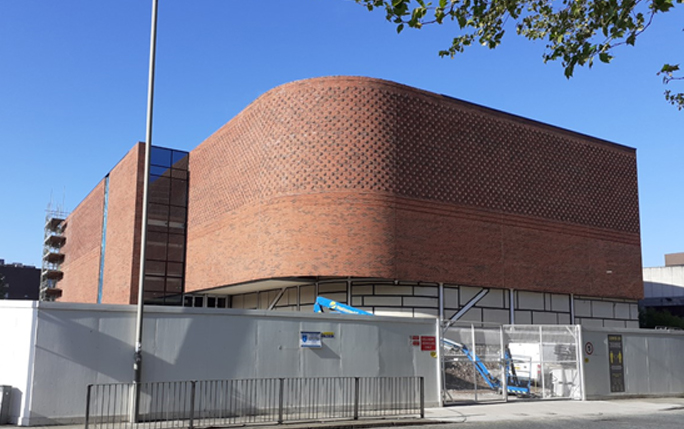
(498, 412)
(336, 424)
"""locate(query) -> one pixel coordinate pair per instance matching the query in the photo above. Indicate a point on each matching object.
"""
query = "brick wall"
(122, 257)
(82, 249)
(361, 177)
(84, 238)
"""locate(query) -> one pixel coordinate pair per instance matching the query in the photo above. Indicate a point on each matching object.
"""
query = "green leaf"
(569, 70)
(669, 68)
(661, 5)
(605, 57)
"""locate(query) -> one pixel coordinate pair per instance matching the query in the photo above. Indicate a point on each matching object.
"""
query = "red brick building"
(376, 194)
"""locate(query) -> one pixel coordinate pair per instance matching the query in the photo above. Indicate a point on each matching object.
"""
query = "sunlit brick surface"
(82, 249)
(84, 238)
(122, 258)
(362, 177)
(358, 134)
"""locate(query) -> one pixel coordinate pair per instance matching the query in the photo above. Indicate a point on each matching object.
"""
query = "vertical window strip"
(104, 241)
(170, 166)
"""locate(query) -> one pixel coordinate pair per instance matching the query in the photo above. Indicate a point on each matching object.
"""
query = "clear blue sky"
(73, 82)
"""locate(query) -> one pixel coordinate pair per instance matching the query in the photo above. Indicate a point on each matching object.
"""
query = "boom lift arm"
(514, 385)
(337, 307)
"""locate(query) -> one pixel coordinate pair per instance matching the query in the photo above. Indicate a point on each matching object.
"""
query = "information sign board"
(615, 362)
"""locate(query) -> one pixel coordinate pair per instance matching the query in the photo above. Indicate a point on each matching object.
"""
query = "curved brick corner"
(363, 177)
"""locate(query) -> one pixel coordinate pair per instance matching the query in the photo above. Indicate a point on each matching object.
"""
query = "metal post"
(441, 301)
(505, 368)
(356, 398)
(281, 398)
(137, 359)
(193, 385)
(511, 306)
(572, 308)
(472, 338)
(422, 397)
(541, 361)
(87, 413)
(579, 344)
(440, 363)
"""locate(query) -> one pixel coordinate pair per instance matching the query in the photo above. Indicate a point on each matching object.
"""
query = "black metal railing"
(191, 404)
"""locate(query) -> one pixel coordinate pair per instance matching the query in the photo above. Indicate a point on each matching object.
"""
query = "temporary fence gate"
(211, 403)
(490, 364)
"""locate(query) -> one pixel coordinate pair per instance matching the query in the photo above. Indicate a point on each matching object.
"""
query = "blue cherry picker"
(514, 385)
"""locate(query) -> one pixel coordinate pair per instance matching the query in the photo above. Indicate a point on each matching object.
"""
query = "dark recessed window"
(167, 217)
(160, 156)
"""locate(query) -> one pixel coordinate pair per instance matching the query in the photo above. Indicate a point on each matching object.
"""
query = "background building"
(392, 199)
(664, 286)
(20, 281)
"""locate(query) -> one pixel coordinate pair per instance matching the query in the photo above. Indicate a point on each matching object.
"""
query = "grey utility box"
(4, 404)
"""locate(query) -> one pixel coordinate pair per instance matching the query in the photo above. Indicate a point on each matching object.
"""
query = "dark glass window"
(161, 156)
(174, 269)
(155, 268)
(179, 174)
(154, 284)
(155, 252)
(159, 213)
(155, 170)
(173, 299)
(177, 214)
(180, 160)
(157, 237)
(176, 249)
(160, 190)
(167, 217)
(174, 286)
(179, 192)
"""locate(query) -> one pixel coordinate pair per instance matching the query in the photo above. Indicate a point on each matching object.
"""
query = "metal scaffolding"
(51, 273)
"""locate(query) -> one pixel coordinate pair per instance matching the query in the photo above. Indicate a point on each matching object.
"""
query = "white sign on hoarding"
(310, 339)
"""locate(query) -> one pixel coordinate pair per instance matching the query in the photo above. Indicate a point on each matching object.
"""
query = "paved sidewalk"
(539, 410)
(497, 412)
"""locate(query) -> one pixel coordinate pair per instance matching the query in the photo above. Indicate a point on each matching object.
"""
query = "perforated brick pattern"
(365, 135)
(369, 179)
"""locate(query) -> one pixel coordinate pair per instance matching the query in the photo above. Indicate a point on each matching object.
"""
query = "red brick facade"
(366, 178)
(122, 257)
(82, 248)
(363, 178)
(81, 265)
